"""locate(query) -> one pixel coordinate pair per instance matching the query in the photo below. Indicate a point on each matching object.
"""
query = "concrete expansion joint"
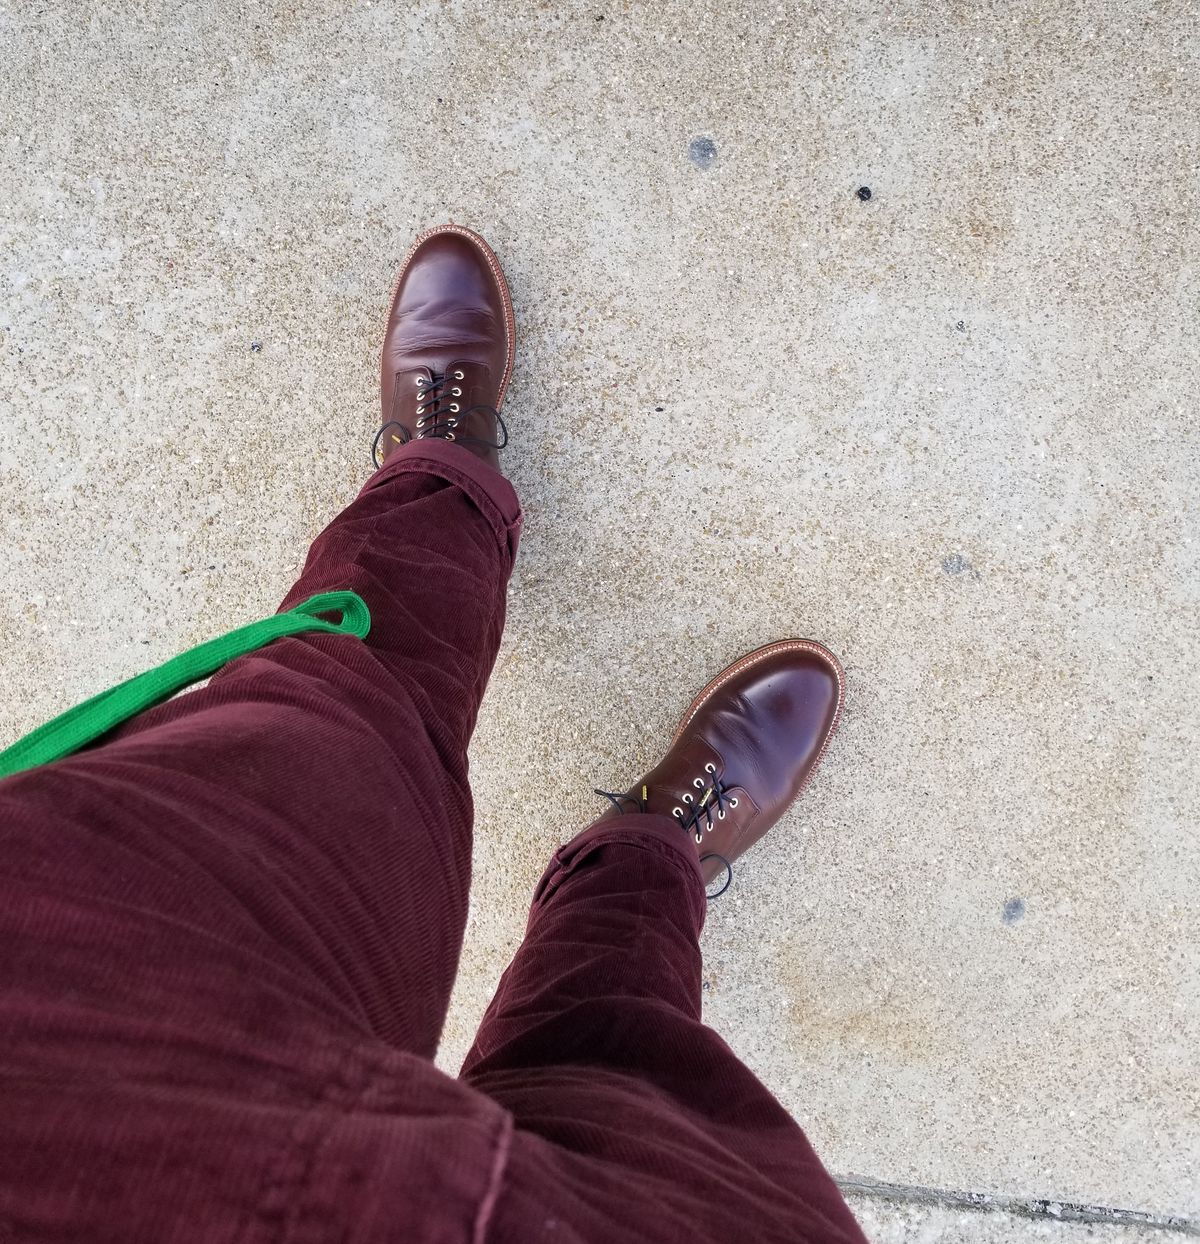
(1026, 1207)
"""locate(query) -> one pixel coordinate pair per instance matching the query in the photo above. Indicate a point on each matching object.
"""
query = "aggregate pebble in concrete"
(949, 430)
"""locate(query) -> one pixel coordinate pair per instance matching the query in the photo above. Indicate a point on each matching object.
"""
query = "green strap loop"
(86, 722)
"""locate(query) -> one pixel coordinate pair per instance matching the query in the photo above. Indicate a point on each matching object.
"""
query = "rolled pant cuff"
(649, 831)
(491, 492)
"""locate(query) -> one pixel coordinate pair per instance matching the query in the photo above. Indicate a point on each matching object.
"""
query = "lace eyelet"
(456, 392)
(453, 423)
(710, 768)
(699, 839)
(721, 815)
(458, 375)
(420, 423)
(677, 812)
(689, 798)
(698, 783)
(420, 381)
(449, 436)
(454, 407)
(420, 410)
(733, 803)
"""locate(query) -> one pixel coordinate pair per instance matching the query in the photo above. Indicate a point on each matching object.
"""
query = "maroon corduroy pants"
(228, 935)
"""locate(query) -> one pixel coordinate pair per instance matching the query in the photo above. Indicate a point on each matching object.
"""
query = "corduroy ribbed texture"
(228, 933)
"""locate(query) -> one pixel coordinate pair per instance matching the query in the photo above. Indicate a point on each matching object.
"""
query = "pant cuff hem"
(491, 492)
(650, 831)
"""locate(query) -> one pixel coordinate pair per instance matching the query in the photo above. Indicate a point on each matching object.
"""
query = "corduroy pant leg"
(642, 1119)
(228, 931)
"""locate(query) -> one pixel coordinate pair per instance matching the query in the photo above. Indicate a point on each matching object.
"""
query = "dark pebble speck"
(1014, 909)
(863, 192)
(255, 347)
(702, 152)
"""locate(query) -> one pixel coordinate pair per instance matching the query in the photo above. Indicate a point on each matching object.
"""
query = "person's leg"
(230, 929)
(334, 770)
(642, 1117)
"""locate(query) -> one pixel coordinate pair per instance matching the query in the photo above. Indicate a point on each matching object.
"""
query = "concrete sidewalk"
(949, 430)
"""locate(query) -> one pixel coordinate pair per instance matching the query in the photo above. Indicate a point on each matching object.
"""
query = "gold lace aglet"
(645, 793)
(396, 439)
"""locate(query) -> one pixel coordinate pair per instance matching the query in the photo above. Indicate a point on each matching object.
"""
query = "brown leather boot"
(448, 349)
(746, 747)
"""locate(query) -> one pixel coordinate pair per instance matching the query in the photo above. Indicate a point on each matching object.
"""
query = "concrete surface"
(950, 431)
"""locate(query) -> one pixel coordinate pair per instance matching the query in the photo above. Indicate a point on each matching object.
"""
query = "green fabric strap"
(86, 722)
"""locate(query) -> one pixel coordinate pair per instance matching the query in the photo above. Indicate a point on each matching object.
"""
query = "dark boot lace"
(712, 798)
(438, 414)
(711, 805)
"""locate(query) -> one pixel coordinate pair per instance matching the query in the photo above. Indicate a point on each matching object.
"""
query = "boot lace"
(709, 806)
(438, 415)
(714, 797)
